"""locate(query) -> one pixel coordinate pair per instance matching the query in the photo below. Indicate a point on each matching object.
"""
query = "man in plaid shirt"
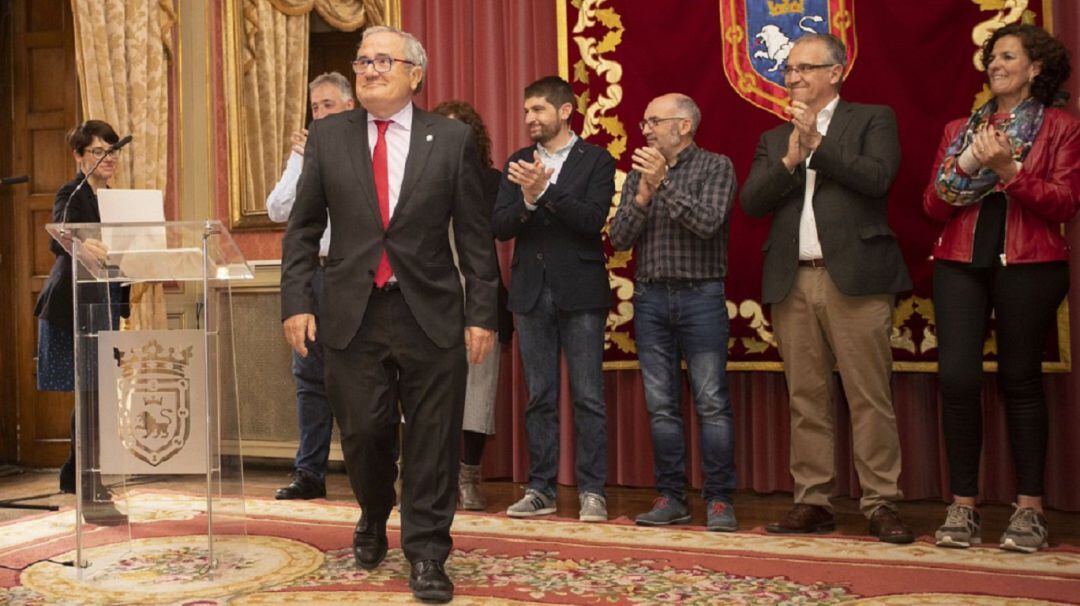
(674, 208)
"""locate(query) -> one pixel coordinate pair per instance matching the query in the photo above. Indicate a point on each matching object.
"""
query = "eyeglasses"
(654, 122)
(382, 63)
(100, 152)
(803, 68)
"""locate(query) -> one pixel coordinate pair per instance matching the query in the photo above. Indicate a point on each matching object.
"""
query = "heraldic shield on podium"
(155, 381)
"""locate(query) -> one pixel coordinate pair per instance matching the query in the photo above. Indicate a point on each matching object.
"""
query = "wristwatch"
(663, 183)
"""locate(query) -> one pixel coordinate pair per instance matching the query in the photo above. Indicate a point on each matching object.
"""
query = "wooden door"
(45, 105)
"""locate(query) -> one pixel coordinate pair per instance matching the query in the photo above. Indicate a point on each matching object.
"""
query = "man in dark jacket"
(554, 198)
(832, 271)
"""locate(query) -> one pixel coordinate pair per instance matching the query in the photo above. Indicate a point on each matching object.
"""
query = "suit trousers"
(389, 359)
(818, 328)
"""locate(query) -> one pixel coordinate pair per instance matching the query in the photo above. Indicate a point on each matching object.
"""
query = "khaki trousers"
(818, 328)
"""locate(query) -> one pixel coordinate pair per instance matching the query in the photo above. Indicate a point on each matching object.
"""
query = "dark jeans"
(690, 316)
(580, 334)
(316, 421)
(1024, 299)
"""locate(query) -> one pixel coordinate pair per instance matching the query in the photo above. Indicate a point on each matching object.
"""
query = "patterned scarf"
(958, 189)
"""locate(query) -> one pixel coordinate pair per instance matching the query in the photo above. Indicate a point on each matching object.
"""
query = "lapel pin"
(430, 138)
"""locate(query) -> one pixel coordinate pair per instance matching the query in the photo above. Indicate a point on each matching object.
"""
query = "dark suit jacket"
(55, 301)
(856, 163)
(561, 241)
(442, 181)
(492, 179)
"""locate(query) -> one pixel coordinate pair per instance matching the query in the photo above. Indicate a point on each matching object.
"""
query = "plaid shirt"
(683, 233)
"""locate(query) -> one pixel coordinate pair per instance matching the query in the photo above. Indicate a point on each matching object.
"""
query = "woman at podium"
(93, 147)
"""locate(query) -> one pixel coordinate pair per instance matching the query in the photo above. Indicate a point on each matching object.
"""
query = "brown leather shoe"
(885, 524)
(804, 519)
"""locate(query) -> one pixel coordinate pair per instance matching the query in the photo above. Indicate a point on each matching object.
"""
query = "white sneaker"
(534, 503)
(593, 507)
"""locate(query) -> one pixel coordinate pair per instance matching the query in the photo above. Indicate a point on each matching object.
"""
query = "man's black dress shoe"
(428, 582)
(304, 486)
(369, 542)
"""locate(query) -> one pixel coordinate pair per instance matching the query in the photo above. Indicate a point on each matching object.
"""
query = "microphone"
(112, 148)
(14, 180)
(120, 143)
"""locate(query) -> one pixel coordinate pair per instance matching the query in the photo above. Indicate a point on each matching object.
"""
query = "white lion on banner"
(777, 44)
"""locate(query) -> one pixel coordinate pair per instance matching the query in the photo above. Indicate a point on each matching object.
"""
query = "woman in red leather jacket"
(1004, 181)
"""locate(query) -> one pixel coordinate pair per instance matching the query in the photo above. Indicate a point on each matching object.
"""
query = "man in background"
(832, 271)
(674, 212)
(554, 199)
(330, 94)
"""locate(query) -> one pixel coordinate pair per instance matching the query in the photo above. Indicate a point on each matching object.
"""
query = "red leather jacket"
(1042, 196)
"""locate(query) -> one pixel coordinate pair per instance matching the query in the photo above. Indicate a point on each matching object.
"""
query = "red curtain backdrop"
(486, 51)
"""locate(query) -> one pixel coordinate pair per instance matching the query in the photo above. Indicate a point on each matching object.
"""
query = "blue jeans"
(690, 316)
(312, 408)
(580, 334)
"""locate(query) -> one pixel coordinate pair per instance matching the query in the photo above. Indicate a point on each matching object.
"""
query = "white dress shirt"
(397, 148)
(553, 160)
(809, 245)
(280, 202)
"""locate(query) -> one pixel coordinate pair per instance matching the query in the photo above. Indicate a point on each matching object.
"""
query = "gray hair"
(834, 47)
(688, 108)
(414, 51)
(334, 79)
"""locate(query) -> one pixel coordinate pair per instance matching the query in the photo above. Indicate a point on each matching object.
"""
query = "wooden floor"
(753, 510)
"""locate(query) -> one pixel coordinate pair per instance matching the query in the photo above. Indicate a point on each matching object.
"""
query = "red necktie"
(382, 188)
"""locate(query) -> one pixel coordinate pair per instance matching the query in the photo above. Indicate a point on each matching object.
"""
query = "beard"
(546, 133)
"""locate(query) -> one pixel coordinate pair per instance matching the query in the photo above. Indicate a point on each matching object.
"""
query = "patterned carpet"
(299, 553)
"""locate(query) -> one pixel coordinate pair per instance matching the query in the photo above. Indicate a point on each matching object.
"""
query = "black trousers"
(1024, 299)
(392, 359)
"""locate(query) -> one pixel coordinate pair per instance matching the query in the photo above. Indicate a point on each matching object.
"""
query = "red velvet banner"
(917, 57)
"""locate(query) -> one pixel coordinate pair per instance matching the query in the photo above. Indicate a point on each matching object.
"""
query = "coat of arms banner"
(918, 57)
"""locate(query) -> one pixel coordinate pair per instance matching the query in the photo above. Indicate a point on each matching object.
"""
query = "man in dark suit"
(832, 270)
(392, 176)
(554, 199)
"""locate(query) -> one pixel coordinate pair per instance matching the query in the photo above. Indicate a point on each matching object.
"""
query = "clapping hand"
(653, 168)
(805, 122)
(992, 150)
(531, 176)
(796, 153)
(298, 140)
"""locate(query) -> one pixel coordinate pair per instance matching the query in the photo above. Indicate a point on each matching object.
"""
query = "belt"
(676, 284)
(388, 287)
(816, 263)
